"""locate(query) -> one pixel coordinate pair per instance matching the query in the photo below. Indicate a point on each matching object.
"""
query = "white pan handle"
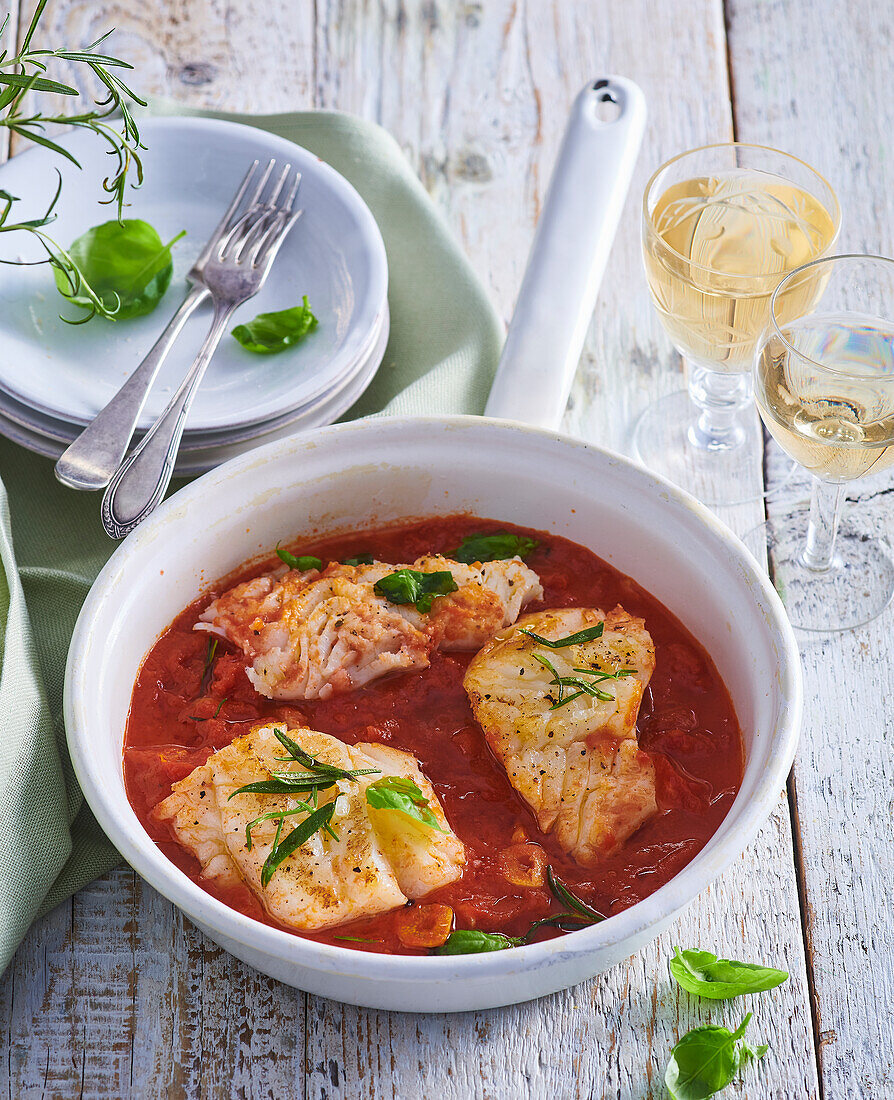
(569, 253)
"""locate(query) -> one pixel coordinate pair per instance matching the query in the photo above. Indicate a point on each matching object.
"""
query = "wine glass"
(722, 225)
(824, 384)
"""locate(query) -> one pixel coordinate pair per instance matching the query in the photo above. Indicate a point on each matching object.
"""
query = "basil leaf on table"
(705, 975)
(411, 586)
(270, 333)
(497, 547)
(471, 942)
(122, 269)
(396, 792)
(302, 563)
(706, 1059)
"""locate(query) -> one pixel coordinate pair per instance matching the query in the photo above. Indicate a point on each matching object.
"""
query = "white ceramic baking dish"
(356, 476)
(353, 476)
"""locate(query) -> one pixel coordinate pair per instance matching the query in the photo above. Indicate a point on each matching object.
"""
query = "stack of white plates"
(54, 378)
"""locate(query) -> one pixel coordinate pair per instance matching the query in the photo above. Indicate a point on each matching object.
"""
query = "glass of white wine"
(824, 384)
(722, 226)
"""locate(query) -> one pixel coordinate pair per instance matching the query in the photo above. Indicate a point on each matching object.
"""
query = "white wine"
(829, 403)
(716, 247)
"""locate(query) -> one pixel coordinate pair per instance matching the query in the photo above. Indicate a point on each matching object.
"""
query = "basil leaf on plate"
(359, 559)
(269, 333)
(396, 792)
(496, 547)
(471, 942)
(411, 586)
(705, 975)
(124, 264)
(706, 1059)
(302, 563)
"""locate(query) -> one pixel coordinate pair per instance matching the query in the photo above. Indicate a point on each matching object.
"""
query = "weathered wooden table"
(115, 994)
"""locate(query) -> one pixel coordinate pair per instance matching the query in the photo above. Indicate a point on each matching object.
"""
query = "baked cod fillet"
(382, 856)
(309, 634)
(572, 755)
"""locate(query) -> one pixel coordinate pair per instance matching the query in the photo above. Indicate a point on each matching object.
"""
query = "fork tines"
(264, 212)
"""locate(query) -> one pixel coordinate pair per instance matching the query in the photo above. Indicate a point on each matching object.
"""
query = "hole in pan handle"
(568, 256)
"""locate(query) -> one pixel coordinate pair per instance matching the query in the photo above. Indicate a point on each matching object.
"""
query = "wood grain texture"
(836, 114)
(118, 991)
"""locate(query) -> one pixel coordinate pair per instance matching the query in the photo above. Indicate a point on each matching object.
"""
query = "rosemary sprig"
(285, 783)
(23, 73)
(588, 635)
(317, 767)
(583, 688)
(275, 815)
(563, 894)
(208, 670)
(465, 941)
(319, 777)
(319, 819)
(581, 914)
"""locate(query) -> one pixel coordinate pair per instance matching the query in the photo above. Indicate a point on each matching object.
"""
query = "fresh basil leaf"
(588, 635)
(706, 1059)
(497, 547)
(301, 563)
(359, 559)
(301, 833)
(470, 942)
(269, 333)
(411, 586)
(748, 1054)
(705, 975)
(396, 792)
(126, 266)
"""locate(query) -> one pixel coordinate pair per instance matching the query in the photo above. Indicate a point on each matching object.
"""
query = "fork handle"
(91, 461)
(143, 478)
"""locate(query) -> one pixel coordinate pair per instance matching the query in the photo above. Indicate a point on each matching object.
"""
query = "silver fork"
(234, 272)
(91, 461)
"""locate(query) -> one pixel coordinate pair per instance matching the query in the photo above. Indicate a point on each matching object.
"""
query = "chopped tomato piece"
(524, 864)
(424, 925)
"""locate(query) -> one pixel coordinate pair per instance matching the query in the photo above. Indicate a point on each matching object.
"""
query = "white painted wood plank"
(117, 995)
(815, 82)
(501, 105)
(477, 95)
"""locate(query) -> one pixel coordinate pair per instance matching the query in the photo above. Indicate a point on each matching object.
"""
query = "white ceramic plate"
(335, 255)
(17, 422)
(314, 414)
(376, 471)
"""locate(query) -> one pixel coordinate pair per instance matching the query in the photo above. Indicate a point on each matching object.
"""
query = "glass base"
(665, 440)
(854, 591)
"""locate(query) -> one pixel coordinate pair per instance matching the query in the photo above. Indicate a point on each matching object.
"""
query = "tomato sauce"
(185, 707)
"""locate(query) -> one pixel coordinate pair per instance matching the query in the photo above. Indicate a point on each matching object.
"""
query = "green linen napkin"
(441, 355)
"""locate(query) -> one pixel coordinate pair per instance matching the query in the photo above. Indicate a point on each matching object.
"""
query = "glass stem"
(825, 511)
(720, 397)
